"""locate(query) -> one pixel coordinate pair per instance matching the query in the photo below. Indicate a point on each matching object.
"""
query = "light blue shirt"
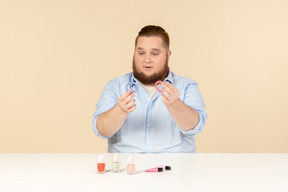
(150, 128)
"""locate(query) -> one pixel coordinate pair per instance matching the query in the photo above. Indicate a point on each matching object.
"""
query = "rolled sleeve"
(107, 101)
(193, 98)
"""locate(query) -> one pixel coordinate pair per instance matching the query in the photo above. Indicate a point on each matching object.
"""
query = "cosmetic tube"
(165, 167)
(156, 169)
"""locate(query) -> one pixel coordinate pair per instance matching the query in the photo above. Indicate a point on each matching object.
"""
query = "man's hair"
(156, 31)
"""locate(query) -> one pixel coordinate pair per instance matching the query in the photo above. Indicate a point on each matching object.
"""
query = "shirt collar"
(170, 78)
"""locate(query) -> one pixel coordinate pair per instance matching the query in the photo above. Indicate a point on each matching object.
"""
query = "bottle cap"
(130, 160)
(115, 158)
(100, 159)
(167, 168)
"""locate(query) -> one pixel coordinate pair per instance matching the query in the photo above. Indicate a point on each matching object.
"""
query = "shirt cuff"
(95, 117)
(198, 128)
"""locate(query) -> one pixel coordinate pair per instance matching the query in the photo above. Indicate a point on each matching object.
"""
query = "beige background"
(56, 57)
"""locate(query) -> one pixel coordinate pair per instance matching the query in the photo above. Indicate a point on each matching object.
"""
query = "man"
(135, 118)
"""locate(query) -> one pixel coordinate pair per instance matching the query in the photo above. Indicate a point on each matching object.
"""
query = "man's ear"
(168, 54)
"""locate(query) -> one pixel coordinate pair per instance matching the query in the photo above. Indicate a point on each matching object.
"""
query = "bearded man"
(136, 118)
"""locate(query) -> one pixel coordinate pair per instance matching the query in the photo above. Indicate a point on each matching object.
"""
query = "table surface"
(190, 172)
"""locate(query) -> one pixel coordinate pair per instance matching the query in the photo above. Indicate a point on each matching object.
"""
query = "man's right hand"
(126, 103)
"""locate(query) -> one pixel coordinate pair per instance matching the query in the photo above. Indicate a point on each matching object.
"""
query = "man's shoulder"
(183, 79)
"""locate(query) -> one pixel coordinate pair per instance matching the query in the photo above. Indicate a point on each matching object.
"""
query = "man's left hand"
(170, 94)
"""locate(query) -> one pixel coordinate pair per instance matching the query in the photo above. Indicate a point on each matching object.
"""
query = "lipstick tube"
(155, 169)
(159, 169)
(165, 167)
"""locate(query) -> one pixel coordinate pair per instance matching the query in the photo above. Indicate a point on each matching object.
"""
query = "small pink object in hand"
(158, 82)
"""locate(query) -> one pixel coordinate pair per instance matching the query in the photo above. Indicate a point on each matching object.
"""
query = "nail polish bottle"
(130, 166)
(101, 164)
(115, 164)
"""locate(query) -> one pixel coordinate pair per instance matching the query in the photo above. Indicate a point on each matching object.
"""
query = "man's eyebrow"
(153, 49)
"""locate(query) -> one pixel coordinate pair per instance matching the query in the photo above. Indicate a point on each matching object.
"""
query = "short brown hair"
(153, 30)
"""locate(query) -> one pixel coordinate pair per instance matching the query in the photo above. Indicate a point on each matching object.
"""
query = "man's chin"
(148, 73)
(149, 77)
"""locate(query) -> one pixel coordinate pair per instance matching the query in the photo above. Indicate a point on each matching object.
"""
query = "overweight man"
(135, 117)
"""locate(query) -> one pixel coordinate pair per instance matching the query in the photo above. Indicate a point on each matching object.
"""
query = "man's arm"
(184, 116)
(108, 123)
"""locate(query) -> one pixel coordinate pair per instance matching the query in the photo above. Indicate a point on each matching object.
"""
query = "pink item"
(130, 166)
(155, 169)
(157, 82)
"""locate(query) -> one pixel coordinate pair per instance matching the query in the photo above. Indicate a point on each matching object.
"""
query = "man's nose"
(148, 58)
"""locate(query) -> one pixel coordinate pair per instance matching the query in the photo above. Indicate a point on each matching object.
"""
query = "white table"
(190, 172)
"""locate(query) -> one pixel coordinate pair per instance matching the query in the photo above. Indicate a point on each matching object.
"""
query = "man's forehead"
(153, 42)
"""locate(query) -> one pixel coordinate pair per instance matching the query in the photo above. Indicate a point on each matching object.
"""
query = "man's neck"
(150, 89)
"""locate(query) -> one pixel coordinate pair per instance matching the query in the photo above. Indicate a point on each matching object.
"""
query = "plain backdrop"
(57, 55)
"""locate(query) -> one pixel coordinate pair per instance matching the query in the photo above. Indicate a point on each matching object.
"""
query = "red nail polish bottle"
(101, 164)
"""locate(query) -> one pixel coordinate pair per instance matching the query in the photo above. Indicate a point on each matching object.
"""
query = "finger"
(132, 108)
(165, 95)
(130, 104)
(131, 91)
(164, 99)
(124, 96)
(167, 90)
(128, 99)
(170, 86)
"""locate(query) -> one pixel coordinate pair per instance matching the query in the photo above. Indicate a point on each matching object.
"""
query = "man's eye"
(141, 53)
(155, 53)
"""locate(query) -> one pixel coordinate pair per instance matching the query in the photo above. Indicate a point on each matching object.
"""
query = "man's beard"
(151, 80)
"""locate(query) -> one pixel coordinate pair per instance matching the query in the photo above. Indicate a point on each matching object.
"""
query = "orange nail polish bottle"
(101, 164)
